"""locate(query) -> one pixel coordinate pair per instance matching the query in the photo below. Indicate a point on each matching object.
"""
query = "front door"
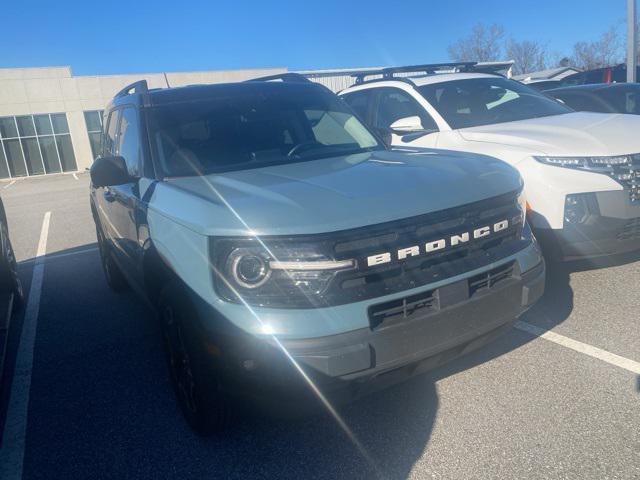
(126, 197)
(104, 197)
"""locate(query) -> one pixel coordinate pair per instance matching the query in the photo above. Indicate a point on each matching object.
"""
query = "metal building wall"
(334, 80)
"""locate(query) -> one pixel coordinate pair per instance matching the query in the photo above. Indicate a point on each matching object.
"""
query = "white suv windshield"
(483, 101)
(254, 129)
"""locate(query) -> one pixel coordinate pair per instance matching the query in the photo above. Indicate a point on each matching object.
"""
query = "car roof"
(188, 93)
(447, 77)
(419, 80)
(592, 87)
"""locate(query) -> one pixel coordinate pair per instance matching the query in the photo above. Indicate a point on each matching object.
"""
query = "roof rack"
(429, 68)
(285, 77)
(140, 87)
(136, 87)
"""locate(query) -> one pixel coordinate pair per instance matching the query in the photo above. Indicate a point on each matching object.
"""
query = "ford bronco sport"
(289, 253)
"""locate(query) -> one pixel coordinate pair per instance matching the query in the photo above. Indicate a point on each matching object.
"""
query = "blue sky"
(136, 36)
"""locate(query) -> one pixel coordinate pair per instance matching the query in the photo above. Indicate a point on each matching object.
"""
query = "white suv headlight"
(568, 162)
(600, 164)
(624, 169)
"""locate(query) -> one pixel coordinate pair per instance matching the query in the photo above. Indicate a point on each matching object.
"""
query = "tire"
(18, 293)
(9, 270)
(112, 273)
(204, 406)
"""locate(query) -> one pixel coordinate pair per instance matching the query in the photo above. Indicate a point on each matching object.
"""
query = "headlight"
(612, 161)
(578, 207)
(569, 162)
(524, 205)
(274, 273)
(248, 269)
(624, 169)
(574, 209)
(605, 164)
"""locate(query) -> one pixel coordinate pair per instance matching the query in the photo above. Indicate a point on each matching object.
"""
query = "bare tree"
(528, 56)
(483, 44)
(600, 53)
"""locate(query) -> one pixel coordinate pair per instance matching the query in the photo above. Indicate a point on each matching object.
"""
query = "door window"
(129, 140)
(360, 103)
(110, 134)
(394, 104)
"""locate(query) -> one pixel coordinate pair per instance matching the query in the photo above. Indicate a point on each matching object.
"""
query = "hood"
(576, 133)
(334, 193)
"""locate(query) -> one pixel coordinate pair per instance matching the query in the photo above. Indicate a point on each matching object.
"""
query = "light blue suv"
(290, 254)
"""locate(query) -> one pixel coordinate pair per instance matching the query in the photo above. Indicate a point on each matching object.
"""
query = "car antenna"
(166, 80)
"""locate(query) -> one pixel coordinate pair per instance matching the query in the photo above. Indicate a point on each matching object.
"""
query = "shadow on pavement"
(554, 308)
(102, 405)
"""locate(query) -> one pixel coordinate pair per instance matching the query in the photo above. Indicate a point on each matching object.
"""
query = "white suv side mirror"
(407, 125)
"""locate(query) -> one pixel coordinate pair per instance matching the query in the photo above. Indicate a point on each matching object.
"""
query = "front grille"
(487, 280)
(364, 282)
(405, 309)
(631, 230)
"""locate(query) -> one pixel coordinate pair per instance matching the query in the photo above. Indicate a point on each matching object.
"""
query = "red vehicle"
(613, 74)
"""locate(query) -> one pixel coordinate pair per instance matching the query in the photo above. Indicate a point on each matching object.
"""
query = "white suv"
(581, 170)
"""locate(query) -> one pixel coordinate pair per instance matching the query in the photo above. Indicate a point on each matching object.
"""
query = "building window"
(35, 145)
(93, 119)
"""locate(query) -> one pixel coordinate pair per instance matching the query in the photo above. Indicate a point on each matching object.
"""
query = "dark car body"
(600, 97)
(11, 295)
(542, 85)
(613, 74)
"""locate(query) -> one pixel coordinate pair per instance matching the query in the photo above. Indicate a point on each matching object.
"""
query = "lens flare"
(267, 329)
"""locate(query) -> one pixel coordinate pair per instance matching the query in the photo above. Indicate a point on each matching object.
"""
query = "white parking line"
(55, 256)
(9, 184)
(14, 435)
(595, 352)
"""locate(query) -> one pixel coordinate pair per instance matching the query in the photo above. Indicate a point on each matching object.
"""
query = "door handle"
(109, 196)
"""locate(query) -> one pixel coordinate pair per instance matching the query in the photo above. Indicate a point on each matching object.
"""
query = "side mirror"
(108, 171)
(407, 125)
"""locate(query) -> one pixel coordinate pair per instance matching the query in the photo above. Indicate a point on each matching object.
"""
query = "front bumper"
(611, 226)
(406, 337)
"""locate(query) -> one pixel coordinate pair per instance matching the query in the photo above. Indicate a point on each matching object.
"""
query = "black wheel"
(205, 408)
(115, 279)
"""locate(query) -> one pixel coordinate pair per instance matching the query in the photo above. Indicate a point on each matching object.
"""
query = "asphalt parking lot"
(92, 398)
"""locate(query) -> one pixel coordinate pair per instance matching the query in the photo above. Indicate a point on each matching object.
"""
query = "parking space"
(524, 407)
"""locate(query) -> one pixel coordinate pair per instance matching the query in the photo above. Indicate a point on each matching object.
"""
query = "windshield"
(484, 101)
(254, 129)
(624, 98)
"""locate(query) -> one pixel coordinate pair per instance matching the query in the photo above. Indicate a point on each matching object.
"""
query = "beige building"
(50, 120)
